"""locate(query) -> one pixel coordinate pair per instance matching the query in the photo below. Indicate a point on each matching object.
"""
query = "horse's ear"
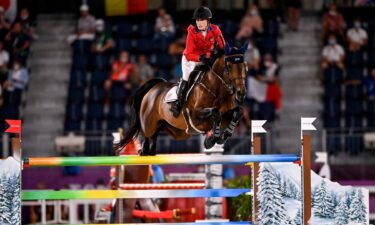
(244, 47)
(227, 48)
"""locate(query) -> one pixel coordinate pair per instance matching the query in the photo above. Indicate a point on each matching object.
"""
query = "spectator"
(4, 24)
(164, 26)
(251, 23)
(357, 36)
(85, 29)
(123, 72)
(269, 70)
(294, 13)
(333, 54)
(86, 23)
(332, 23)
(103, 41)
(18, 78)
(4, 60)
(252, 57)
(144, 69)
(26, 24)
(18, 43)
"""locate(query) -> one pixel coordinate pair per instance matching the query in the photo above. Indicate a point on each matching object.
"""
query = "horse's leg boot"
(181, 94)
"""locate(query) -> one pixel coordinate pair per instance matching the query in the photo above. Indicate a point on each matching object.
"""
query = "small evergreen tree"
(271, 204)
(341, 215)
(357, 209)
(323, 203)
(297, 220)
(16, 200)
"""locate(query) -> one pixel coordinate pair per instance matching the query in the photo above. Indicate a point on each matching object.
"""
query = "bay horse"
(213, 103)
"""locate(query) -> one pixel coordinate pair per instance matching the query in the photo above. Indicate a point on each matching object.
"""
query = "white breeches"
(187, 68)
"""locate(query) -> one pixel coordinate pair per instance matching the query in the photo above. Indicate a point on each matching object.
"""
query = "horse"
(213, 103)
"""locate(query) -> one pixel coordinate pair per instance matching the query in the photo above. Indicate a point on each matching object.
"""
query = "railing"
(349, 140)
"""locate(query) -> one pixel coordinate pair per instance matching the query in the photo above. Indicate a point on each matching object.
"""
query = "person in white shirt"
(357, 36)
(164, 24)
(252, 57)
(4, 60)
(333, 54)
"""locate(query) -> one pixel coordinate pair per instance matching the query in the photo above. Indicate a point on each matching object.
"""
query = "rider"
(199, 43)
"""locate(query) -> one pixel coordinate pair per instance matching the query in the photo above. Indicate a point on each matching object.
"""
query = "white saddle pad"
(171, 95)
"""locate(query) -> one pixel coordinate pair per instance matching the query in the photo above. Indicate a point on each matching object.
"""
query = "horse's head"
(235, 69)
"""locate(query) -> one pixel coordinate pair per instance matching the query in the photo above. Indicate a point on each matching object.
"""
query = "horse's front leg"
(215, 115)
(236, 117)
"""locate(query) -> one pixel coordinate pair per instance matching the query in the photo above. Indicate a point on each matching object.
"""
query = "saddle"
(171, 95)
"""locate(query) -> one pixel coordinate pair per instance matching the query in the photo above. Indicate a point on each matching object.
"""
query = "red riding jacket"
(197, 44)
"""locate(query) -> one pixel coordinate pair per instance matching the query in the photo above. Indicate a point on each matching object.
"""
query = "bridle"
(229, 86)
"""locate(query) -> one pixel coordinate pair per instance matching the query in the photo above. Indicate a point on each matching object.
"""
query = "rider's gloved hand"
(204, 60)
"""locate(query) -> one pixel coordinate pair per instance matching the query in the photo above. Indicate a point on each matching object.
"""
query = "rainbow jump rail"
(158, 160)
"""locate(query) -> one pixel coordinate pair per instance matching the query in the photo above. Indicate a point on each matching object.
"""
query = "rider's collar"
(208, 28)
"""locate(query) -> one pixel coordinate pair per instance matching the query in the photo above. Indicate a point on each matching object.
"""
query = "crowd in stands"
(15, 40)
(111, 60)
(348, 77)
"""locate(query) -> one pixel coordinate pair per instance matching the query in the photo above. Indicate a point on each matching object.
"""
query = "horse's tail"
(136, 103)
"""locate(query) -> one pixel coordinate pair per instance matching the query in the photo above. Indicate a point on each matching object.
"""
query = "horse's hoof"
(209, 143)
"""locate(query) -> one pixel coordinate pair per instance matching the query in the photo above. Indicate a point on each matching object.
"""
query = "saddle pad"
(171, 95)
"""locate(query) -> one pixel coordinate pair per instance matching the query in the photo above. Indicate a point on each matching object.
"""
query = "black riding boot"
(181, 94)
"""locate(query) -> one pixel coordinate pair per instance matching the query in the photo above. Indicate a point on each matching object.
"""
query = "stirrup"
(176, 108)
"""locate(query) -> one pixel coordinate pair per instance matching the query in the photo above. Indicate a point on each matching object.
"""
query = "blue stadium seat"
(354, 73)
(331, 121)
(81, 47)
(116, 110)
(145, 29)
(114, 124)
(267, 110)
(271, 28)
(371, 41)
(161, 60)
(353, 106)
(229, 28)
(98, 77)
(333, 143)
(332, 106)
(118, 92)
(371, 58)
(354, 143)
(74, 111)
(10, 112)
(143, 45)
(354, 91)
(353, 121)
(161, 44)
(94, 125)
(78, 79)
(124, 44)
(92, 146)
(332, 75)
(332, 90)
(97, 93)
(100, 61)
(269, 44)
(95, 111)
(76, 95)
(354, 58)
(80, 61)
(124, 29)
(72, 125)
(370, 121)
(371, 107)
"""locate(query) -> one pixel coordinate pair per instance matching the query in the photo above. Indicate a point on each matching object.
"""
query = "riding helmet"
(202, 12)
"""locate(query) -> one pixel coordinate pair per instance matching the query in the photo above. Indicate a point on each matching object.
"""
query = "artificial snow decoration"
(10, 201)
(332, 203)
(271, 204)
